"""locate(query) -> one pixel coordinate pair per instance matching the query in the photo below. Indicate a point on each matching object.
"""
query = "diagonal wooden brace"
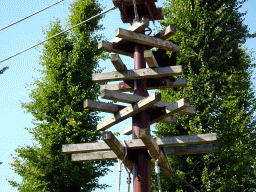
(129, 111)
(110, 139)
(154, 151)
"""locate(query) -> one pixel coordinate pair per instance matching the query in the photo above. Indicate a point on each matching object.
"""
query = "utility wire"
(30, 15)
(59, 33)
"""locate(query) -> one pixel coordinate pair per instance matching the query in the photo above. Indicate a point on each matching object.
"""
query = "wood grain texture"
(110, 139)
(102, 106)
(136, 27)
(109, 47)
(166, 33)
(179, 82)
(138, 144)
(149, 57)
(192, 149)
(118, 63)
(146, 40)
(137, 74)
(128, 98)
(129, 111)
(156, 152)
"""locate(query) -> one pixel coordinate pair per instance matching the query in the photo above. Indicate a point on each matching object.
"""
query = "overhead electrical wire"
(59, 33)
(30, 15)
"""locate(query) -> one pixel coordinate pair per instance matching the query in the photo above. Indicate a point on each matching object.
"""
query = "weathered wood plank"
(138, 144)
(109, 47)
(101, 106)
(188, 111)
(129, 111)
(173, 108)
(96, 156)
(137, 74)
(156, 152)
(127, 98)
(149, 57)
(166, 33)
(192, 149)
(120, 87)
(127, 130)
(146, 40)
(136, 27)
(118, 63)
(110, 139)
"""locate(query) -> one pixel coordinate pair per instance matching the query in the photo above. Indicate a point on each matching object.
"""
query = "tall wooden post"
(142, 160)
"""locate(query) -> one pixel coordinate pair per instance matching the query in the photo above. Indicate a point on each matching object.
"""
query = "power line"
(59, 33)
(30, 15)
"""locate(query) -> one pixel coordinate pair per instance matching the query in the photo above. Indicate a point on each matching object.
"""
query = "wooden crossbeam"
(102, 106)
(118, 63)
(166, 33)
(173, 108)
(151, 84)
(146, 40)
(171, 119)
(137, 74)
(136, 27)
(110, 139)
(149, 57)
(176, 107)
(110, 47)
(113, 108)
(138, 144)
(177, 150)
(95, 156)
(155, 152)
(129, 111)
(192, 149)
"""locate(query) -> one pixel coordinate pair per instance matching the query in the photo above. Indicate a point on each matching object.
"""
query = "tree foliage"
(68, 62)
(3, 70)
(219, 73)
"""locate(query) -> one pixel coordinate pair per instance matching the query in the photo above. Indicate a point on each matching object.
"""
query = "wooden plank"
(96, 156)
(171, 119)
(138, 144)
(110, 139)
(101, 106)
(166, 33)
(118, 63)
(127, 98)
(192, 149)
(149, 57)
(177, 150)
(109, 47)
(156, 152)
(173, 108)
(129, 111)
(121, 87)
(146, 40)
(127, 130)
(137, 74)
(136, 27)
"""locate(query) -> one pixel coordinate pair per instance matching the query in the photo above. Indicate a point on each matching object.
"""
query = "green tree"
(3, 70)
(219, 74)
(68, 62)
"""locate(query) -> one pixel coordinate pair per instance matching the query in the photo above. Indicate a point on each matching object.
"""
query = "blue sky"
(22, 68)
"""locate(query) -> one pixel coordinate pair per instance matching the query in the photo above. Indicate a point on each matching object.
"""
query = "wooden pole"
(141, 160)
